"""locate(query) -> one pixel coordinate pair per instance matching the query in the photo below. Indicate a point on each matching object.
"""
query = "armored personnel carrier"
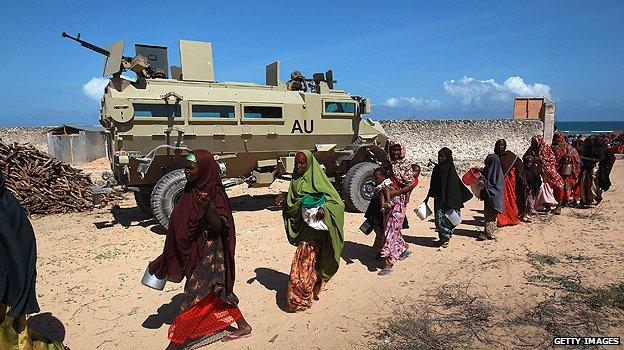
(153, 120)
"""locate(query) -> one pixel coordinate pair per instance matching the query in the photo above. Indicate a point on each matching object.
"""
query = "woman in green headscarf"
(318, 251)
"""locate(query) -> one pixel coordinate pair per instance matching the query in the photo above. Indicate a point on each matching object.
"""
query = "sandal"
(445, 244)
(231, 337)
(385, 272)
(406, 254)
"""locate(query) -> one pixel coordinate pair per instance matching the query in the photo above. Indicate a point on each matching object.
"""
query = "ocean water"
(589, 127)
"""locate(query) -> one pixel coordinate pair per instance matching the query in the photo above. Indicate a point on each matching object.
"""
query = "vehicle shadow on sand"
(254, 203)
(129, 217)
(275, 281)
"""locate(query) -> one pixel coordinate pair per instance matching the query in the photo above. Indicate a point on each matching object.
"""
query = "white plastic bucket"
(423, 211)
(453, 216)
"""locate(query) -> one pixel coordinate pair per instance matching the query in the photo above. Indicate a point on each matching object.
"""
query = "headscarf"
(18, 256)
(313, 181)
(548, 163)
(564, 152)
(597, 148)
(184, 246)
(401, 168)
(495, 182)
(507, 159)
(446, 184)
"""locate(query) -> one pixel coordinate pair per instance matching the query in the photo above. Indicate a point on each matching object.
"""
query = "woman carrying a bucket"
(313, 219)
(200, 246)
(449, 195)
(569, 167)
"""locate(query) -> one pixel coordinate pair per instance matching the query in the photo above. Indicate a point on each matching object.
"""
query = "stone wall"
(470, 140)
(33, 135)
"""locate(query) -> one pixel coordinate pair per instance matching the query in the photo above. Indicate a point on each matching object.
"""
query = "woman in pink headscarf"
(390, 242)
(546, 161)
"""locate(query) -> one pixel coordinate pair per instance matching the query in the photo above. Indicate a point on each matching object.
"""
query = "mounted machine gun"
(116, 63)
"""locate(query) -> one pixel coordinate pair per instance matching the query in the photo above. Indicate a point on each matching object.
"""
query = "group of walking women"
(201, 243)
(556, 175)
(201, 236)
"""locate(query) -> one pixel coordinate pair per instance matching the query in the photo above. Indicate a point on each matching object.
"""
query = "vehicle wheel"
(358, 186)
(166, 194)
(144, 202)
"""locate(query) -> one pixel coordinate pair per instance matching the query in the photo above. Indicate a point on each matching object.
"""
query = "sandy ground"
(90, 266)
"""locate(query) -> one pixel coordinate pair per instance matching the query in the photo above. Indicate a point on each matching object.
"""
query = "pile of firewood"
(42, 184)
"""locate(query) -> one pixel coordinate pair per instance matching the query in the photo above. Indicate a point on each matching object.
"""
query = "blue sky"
(432, 59)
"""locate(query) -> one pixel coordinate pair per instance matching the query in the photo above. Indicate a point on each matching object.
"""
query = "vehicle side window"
(145, 110)
(261, 112)
(340, 107)
(212, 111)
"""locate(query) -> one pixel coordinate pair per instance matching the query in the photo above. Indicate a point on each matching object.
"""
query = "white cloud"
(412, 102)
(94, 88)
(473, 92)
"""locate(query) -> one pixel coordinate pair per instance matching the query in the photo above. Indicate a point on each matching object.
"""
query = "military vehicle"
(253, 130)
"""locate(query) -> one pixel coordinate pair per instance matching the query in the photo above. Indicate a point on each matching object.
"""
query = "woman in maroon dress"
(200, 246)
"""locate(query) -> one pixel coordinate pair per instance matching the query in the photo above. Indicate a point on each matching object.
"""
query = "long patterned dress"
(566, 154)
(203, 310)
(305, 278)
(394, 244)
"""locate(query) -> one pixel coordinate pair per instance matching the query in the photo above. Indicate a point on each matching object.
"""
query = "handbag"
(367, 227)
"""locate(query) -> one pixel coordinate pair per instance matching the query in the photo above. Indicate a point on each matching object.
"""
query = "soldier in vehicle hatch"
(297, 82)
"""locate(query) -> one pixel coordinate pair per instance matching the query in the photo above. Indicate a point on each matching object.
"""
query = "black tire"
(144, 202)
(166, 194)
(358, 186)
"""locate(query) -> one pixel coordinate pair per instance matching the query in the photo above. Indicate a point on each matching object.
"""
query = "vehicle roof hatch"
(196, 59)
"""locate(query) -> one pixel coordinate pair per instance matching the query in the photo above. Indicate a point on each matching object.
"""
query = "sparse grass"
(591, 214)
(453, 317)
(559, 315)
(542, 259)
(582, 310)
(448, 318)
(108, 254)
(611, 296)
(572, 257)
(547, 278)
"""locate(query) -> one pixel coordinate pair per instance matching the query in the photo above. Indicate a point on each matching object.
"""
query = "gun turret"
(117, 63)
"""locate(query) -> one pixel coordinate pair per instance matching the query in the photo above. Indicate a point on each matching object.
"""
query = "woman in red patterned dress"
(566, 154)
(546, 162)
